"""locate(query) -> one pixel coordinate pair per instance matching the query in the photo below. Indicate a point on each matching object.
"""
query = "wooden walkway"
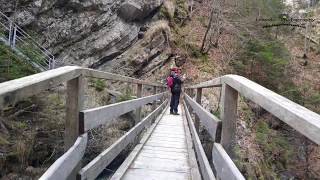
(170, 147)
(166, 153)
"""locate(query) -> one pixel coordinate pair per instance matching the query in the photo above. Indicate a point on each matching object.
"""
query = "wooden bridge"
(169, 147)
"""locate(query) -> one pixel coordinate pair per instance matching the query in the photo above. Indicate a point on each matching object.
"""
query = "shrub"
(126, 95)
(276, 149)
(181, 11)
(99, 85)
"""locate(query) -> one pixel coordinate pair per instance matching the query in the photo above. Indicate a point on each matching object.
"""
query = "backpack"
(170, 82)
(176, 85)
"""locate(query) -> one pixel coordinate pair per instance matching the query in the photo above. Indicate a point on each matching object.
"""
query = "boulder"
(138, 9)
(24, 18)
(130, 10)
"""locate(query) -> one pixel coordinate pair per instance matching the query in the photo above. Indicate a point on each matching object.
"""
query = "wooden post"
(163, 89)
(154, 106)
(74, 104)
(198, 100)
(191, 93)
(138, 111)
(229, 118)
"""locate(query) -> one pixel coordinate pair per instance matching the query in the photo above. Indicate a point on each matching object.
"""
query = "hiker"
(174, 82)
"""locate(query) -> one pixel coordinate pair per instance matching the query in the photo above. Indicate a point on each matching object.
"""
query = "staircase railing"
(26, 46)
(223, 132)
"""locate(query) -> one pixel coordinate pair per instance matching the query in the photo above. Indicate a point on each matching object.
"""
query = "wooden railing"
(79, 121)
(223, 132)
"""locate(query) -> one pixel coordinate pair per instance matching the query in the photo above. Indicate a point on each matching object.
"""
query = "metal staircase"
(24, 45)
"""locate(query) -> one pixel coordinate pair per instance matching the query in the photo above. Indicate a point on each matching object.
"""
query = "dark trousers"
(174, 102)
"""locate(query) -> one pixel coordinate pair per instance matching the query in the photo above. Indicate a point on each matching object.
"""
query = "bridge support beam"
(198, 100)
(138, 111)
(229, 118)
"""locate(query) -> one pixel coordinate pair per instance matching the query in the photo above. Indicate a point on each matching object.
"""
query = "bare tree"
(213, 32)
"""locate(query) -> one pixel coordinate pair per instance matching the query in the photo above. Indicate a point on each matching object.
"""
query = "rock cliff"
(84, 32)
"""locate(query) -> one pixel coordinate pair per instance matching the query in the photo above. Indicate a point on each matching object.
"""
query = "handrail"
(92, 118)
(208, 84)
(224, 165)
(211, 123)
(15, 90)
(298, 117)
(204, 164)
(62, 167)
(97, 165)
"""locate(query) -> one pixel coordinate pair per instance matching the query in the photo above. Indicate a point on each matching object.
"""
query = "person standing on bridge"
(174, 82)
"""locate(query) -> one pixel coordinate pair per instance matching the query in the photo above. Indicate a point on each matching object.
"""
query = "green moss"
(33, 53)
(3, 141)
(98, 84)
(56, 101)
(18, 125)
(262, 132)
(314, 99)
(126, 95)
(17, 65)
(217, 114)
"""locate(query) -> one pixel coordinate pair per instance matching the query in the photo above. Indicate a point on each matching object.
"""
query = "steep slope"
(87, 33)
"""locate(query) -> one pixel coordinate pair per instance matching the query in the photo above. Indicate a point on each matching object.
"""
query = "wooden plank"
(138, 111)
(92, 118)
(171, 128)
(198, 100)
(224, 165)
(298, 117)
(147, 174)
(208, 84)
(229, 118)
(194, 169)
(205, 168)
(16, 90)
(210, 122)
(165, 149)
(105, 75)
(169, 136)
(129, 160)
(97, 165)
(160, 164)
(176, 145)
(169, 132)
(164, 154)
(62, 167)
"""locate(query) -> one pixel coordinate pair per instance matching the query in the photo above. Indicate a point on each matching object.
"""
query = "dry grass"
(157, 28)
(170, 7)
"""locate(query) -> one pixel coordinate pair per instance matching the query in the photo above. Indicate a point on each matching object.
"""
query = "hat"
(175, 69)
